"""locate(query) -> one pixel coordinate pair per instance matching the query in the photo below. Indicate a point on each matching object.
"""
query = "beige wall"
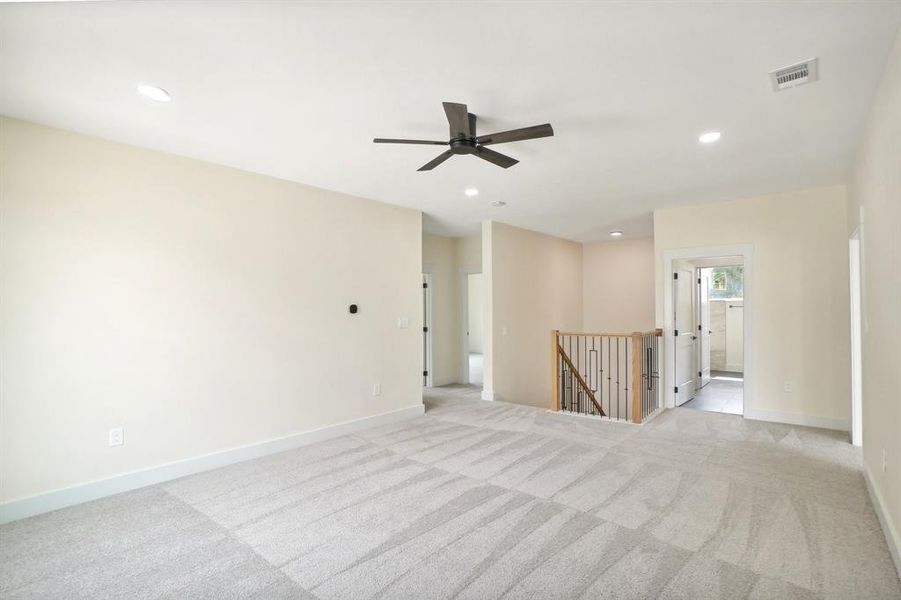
(469, 253)
(197, 306)
(534, 285)
(618, 286)
(800, 260)
(439, 259)
(876, 187)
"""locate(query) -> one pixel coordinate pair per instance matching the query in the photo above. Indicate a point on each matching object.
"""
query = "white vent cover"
(792, 75)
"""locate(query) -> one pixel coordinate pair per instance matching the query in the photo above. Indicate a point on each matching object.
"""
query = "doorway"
(708, 334)
(426, 330)
(473, 345)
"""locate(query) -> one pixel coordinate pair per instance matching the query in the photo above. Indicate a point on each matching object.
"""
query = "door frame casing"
(746, 251)
(855, 278)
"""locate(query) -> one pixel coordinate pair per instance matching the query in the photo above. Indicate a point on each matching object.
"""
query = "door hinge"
(676, 389)
(676, 332)
(700, 374)
(675, 276)
(699, 281)
(425, 373)
(425, 329)
(424, 285)
(699, 327)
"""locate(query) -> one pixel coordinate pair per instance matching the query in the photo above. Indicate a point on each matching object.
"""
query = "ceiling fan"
(463, 138)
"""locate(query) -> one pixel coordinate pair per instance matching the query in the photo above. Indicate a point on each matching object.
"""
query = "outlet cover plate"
(116, 436)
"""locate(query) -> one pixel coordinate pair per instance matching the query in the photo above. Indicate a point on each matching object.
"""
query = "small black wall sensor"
(353, 309)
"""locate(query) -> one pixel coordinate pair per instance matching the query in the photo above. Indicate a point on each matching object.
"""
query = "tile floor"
(723, 394)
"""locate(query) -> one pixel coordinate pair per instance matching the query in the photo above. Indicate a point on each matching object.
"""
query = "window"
(727, 282)
(719, 279)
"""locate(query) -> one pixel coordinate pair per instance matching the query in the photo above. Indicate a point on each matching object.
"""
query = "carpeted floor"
(484, 500)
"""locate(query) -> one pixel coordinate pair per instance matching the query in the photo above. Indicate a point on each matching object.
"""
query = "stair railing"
(611, 375)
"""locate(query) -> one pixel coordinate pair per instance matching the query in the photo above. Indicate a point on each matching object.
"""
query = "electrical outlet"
(787, 387)
(884, 459)
(376, 389)
(116, 436)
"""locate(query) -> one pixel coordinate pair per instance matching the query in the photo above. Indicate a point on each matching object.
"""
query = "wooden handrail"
(581, 381)
(657, 332)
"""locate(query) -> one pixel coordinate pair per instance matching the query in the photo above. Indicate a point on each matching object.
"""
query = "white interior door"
(426, 330)
(704, 325)
(683, 321)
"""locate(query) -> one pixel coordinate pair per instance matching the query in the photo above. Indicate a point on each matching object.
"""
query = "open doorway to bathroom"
(709, 317)
(474, 335)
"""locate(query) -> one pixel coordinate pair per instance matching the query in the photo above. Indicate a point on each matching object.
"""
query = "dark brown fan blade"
(497, 158)
(458, 119)
(436, 161)
(391, 141)
(516, 135)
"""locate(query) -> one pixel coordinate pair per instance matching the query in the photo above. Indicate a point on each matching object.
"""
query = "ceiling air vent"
(797, 74)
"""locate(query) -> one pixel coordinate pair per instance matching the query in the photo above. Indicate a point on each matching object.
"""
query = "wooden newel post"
(555, 371)
(637, 383)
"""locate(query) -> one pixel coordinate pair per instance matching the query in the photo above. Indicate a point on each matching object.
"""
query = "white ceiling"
(298, 91)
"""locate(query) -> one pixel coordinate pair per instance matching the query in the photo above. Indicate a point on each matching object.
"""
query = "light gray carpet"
(484, 500)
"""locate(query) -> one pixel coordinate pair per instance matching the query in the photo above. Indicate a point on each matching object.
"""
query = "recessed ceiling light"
(498, 203)
(471, 192)
(154, 93)
(709, 137)
(616, 233)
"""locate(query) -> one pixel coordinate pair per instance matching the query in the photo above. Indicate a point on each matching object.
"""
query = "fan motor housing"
(462, 146)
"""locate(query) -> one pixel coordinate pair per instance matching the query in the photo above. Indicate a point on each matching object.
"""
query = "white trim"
(486, 393)
(645, 421)
(746, 251)
(775, 416)
(885, 520)
(56, 499)
(856, 347)
(567, 413)
(659, 411)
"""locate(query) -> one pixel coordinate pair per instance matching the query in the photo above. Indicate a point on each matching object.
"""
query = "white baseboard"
(775, 416)
(885, 519)
(56, 499)
(487, 395)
